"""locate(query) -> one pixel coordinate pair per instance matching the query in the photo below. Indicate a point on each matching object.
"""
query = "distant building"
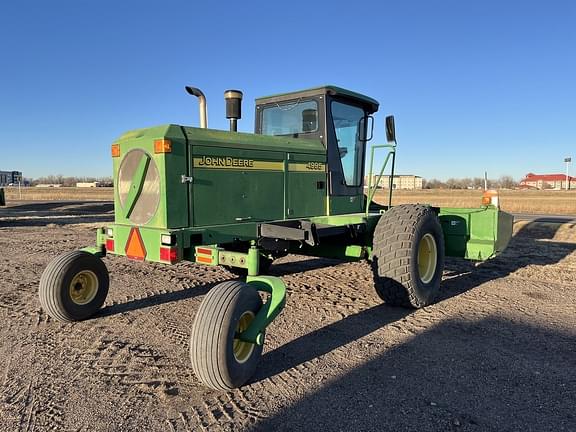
(87, 184)
(9, 178)
(48, 185)
(398, 182)
(547, 181)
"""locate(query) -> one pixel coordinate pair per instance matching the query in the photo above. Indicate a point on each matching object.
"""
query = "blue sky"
(485, 85)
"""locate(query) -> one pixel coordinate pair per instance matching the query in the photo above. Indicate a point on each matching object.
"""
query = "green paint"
(253, 261)
(216, 187)
(100, 249)
(246, 141)
(475, 234)
(343, 205)
(225, 196)
(306, 190)
(270, 310)
(172, 211)
(95, 251)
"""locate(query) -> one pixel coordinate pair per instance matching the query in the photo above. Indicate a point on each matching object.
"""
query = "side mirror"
(366, 128)
(390, 129)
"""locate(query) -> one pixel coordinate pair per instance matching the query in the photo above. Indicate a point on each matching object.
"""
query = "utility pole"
(567, 162)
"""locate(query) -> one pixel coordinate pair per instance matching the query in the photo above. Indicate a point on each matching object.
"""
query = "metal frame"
(372, 191)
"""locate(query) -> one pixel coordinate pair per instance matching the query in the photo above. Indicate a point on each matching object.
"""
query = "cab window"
(347, 123)
(291, 118)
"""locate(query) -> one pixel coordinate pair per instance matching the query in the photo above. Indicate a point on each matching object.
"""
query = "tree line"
(67, 181)
(504, 182)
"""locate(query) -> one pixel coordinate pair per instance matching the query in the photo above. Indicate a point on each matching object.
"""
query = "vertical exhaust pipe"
(233, 108)
(202, 101)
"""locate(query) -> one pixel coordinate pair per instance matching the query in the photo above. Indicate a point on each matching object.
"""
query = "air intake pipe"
(233, 108)
(202, 101)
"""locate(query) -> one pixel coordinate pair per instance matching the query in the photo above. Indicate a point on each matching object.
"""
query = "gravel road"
(496, 353)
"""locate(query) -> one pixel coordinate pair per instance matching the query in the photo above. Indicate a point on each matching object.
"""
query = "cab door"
(346, 126)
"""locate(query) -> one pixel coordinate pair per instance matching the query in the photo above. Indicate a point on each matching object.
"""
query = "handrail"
(372, 191)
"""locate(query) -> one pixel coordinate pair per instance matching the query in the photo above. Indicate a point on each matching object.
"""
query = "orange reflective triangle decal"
(135, 248)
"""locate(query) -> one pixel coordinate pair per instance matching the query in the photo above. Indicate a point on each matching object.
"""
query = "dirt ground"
(496, 353)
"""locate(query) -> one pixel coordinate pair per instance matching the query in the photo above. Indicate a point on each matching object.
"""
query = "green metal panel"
(346, 204)
(348, 219)
(151, 237)
(235, 185)
(270, 310)
(241, 180)
(172, 209)
(306, 185)
(476, 234)
(246, 141)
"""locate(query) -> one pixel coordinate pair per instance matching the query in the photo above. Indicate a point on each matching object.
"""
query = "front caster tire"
(219, 359)
(74, 286)
(408, 256)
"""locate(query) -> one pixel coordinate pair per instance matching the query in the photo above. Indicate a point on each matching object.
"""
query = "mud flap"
(476, 234)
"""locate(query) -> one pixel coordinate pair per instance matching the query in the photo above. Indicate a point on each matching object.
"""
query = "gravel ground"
(496, 353)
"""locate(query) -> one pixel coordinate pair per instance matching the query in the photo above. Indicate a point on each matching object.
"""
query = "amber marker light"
(115, 150)
(162, 146)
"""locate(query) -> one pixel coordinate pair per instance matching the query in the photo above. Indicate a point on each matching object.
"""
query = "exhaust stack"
(202, 101)
(233, 108)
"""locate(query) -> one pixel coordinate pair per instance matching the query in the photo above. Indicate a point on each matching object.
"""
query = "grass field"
(514, 201)
(552, 202)
(58, 194)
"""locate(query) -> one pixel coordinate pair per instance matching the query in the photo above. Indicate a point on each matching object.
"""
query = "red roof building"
(547, 181)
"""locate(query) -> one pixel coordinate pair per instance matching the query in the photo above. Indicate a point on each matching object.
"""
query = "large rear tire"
(74, 286)
(219, 359)
(408, 256)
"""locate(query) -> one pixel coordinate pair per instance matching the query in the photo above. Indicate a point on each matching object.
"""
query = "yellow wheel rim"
(83, 287)
(243, 350)
(427, 258)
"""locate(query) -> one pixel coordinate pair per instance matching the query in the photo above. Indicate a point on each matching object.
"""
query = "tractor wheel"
(219, 359)
(74, 286)
(408, 256)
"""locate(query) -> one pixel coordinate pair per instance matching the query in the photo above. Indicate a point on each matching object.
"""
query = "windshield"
(291, 118)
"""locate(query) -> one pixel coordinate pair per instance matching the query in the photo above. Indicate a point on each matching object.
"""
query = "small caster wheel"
(74, 286)
(219, 359)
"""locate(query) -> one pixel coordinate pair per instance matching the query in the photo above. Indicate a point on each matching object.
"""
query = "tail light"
(169, 254)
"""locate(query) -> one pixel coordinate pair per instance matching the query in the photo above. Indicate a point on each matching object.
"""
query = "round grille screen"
(147, 203)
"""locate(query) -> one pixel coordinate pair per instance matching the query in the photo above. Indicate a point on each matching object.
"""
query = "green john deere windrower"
(242, 200)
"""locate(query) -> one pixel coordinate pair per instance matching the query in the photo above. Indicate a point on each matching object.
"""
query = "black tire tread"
(51, 281)
(392, 248)
(207, 329)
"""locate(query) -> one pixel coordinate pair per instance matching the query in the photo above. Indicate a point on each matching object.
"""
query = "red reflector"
(110, 245)
(204, 251)
(169, 254)
(135, 246)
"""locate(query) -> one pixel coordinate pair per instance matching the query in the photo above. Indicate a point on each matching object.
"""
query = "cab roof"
(315, 91)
